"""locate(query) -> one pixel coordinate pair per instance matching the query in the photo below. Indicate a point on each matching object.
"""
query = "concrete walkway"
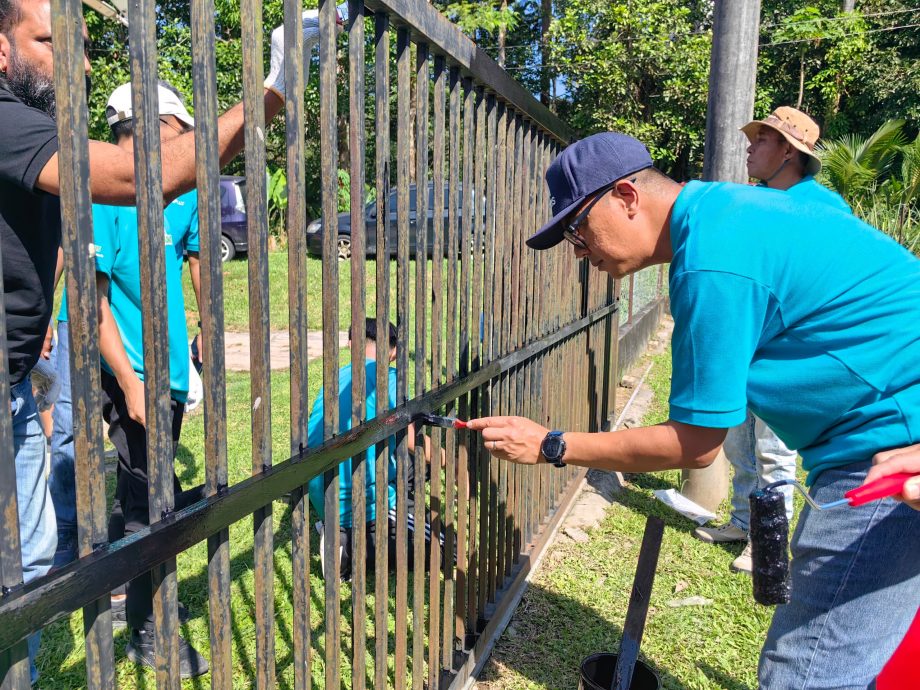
(236, 349)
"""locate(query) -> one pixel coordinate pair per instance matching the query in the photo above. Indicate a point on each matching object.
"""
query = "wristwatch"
(553, 448)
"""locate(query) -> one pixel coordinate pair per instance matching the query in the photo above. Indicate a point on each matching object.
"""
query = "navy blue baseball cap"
(580, 170)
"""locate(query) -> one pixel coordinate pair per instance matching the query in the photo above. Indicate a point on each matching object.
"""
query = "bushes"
(879, 176)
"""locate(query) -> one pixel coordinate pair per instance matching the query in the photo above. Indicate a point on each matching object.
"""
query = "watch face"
(552, 447)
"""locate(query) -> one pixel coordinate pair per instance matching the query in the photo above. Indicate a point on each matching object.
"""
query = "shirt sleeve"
(105, 238)
(314, 439)
(719, 319)
(192, 242)
(26, 147)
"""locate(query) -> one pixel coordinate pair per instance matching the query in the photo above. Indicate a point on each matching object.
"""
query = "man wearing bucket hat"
(780, 156)
(804, 314)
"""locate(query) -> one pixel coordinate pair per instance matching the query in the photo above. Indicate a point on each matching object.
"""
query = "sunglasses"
(570, 232)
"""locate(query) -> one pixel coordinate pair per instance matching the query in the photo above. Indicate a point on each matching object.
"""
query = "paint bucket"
(597, 674)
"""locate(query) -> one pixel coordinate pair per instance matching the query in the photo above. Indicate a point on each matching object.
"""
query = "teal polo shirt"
(118, 257)
(811, 191)
(802, 312)
(315, 438)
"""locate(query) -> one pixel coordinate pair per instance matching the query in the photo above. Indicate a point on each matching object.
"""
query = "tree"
(639, 67)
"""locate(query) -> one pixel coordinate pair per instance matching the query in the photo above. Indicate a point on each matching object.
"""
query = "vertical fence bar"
(259, 353)
(477, 452)
(328, 155)
(207, 171)
(463, 467)
(487, 487)
(437, 303)
(148, 180)
(497, 128)
(421, 369)
(382, 133)
(450, 492)
(77, 233)
(295, 223)
(356, 141)
(403, 131)
(14, 662)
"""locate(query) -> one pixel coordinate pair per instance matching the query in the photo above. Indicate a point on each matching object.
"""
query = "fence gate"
(493, 328)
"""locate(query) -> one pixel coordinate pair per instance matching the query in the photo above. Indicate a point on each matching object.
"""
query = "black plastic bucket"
(597, 674)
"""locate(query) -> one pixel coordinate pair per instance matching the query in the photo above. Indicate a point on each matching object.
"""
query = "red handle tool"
(880, 488)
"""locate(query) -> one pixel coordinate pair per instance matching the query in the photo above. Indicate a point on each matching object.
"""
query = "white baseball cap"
(170, 104)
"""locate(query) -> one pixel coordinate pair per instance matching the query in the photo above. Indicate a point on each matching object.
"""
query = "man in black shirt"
(30, 227)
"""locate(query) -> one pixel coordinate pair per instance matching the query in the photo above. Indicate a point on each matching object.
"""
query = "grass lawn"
(577, 601)
(236, 292)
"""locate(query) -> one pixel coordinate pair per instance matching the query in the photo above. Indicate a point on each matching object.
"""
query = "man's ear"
(5, 53)
(627, 190)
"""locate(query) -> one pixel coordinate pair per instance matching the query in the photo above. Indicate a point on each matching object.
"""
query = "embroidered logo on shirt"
(169, 240)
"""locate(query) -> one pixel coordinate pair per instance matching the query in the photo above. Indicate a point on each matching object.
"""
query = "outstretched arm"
(648, 449)
(111, 168)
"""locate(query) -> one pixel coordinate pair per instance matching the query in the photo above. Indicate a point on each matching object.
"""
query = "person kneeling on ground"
(315, 438)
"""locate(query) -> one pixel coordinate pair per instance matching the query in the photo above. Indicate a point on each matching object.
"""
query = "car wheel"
(343, 247)
(227, 250)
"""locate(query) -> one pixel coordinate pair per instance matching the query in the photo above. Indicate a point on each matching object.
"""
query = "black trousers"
(131, 509)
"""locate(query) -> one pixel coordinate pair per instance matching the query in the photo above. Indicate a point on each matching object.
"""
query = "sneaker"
(721, 534)
(141, 649)
(120, 620)
(743, 563)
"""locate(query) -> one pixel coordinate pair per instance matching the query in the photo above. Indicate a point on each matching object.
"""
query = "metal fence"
(492, 329)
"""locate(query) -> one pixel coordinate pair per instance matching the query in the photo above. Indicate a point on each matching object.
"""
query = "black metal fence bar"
(212, 321)
(298, 330)
(76, 228)
(357, 142)
(331, 412)
(382, 126)
(422, 298)
(493, 328)
(151, 238)
(436, 509)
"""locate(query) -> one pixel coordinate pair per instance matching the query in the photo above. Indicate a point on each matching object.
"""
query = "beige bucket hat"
(796, 128)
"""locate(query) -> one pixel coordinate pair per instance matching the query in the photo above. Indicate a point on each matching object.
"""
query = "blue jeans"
(758, 458)
(855, 581)
(62, 481)
(37, 534)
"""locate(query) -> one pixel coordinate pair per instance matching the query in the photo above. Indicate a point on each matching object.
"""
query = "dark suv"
(233, 237)
(315, 229)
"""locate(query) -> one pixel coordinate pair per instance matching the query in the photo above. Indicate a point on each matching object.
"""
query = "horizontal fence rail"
(483, 326)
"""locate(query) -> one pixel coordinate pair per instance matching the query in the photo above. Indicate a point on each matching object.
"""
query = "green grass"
(577, 602)
(236, 292)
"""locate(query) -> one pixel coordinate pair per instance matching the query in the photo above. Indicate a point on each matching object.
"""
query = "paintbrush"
(436, 420)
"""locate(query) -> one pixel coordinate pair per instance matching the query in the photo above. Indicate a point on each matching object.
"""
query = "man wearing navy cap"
(769, 294)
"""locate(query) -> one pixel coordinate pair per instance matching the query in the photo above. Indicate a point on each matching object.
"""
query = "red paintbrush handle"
(459, 424)
(880, 488)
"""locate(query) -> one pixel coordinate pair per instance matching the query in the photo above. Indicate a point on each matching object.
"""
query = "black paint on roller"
(769, 533)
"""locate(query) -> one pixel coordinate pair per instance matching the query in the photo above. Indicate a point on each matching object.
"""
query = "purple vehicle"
(233, 237)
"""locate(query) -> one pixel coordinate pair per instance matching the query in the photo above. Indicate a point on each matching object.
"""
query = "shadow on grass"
(551, 655)
(721, 678)
(634, 497)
